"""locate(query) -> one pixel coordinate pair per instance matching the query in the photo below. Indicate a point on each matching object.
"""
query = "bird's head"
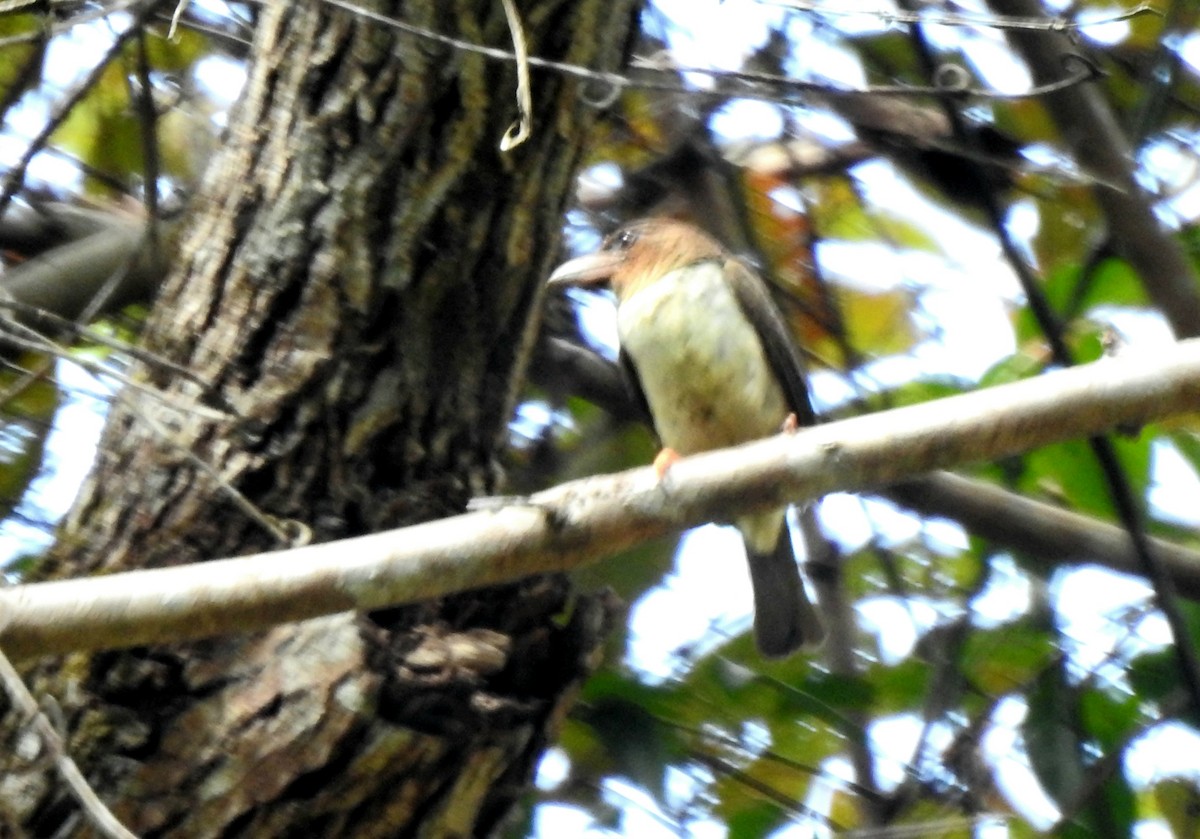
(637, 255)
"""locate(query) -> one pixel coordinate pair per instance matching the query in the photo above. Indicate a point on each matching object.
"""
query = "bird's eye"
(623, 240)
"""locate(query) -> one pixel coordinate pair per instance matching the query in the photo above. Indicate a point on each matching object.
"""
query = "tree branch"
(582, 521)
(1037, 528)
(1090, 128)
(80, 259)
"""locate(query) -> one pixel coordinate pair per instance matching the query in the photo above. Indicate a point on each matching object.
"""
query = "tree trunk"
(356, 300)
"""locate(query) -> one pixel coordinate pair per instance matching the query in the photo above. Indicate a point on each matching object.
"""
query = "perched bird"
(707, 353)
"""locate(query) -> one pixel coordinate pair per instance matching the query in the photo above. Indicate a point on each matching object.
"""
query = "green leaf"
(1071, 471)
(1096, 804)
(1051, 738)
(1188, 444)
(630, 573)
(15, 55)
(28, 416)
(1113, 283)
(1004, 659)
(1155, 675)
(640, 745)
(838, 213)
(1014, 368)
(1109, 718)
(877, 323)
(754, 819)
(897, 689)
(103, 129)
(918, 391)
(176, 55)
(1178, 801)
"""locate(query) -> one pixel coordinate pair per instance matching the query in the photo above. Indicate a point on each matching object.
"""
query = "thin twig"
(180, 8)
(29, 313)
(1047, 24)
(18, 694)
(37, 342)
(16, 173)
(252, 512)
(520, 130)
(784, 87)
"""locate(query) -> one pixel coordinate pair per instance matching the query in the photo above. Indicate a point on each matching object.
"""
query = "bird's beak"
(591, 270)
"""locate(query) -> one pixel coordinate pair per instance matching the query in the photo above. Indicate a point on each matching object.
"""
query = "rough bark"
(357, 294)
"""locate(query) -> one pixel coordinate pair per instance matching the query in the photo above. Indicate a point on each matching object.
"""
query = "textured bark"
(358, 294)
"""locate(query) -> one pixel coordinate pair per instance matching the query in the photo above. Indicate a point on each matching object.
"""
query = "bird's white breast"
(700, 361)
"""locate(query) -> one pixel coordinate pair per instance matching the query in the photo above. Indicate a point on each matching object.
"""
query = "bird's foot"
(790, 424)
(663, 462)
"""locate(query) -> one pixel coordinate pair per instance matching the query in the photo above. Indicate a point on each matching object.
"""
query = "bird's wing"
(783, 356)
(634, 386)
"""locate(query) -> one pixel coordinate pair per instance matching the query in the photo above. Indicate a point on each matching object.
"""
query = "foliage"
(961, 685)
(965, 646)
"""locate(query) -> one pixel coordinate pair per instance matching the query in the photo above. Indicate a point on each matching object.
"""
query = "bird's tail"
(785, 620)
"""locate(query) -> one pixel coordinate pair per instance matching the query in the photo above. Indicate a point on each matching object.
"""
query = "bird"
(707, 354)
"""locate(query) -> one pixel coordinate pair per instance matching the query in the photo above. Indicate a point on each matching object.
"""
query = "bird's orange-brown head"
(637, 255)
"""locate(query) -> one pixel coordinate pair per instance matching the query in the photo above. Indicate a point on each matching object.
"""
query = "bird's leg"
(790, 424)
(663, 462)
